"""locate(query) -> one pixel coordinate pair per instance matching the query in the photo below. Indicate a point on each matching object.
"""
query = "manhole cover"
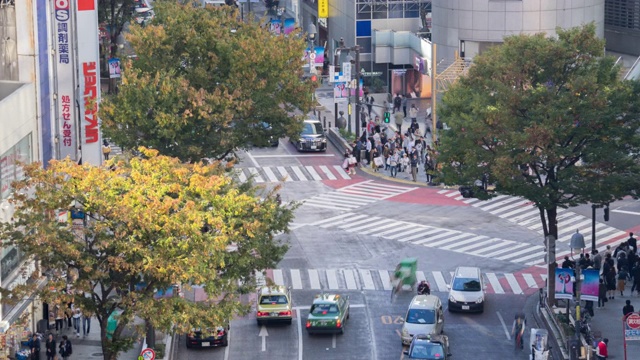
(96, 354)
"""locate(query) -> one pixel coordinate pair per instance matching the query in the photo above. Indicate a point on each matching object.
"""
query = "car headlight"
(324, 140)
(452, 299)
(480, 300)
(301, 140)
(405, 332)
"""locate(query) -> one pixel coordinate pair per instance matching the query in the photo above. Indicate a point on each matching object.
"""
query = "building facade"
(622, 26)
(471, 26)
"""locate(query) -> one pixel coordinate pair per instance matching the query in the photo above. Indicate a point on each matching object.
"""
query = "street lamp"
(356, 62)
(577, 243)
(311, 33)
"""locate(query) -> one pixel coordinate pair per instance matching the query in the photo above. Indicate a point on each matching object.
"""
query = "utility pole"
(434, 92)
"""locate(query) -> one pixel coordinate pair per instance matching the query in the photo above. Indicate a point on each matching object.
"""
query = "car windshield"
(427, 350)
(421, 316)
(466, 284)
(312, 128)
(324, 309)
(273, 300)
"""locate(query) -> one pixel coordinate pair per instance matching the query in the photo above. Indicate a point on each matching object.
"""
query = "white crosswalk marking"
(446, 240)
(349, 279)
(341, 172)
(270, 175)
(367, 280)
(495, 283)
(448, 234)
(256, 176)
(284, 174)
(420, 276)
(478, 244)
(332, 279)
(354, 196)
(241, 176)
(313, 173)
(513, 283)
(277, 277)
(463, 242)
(299, 174)
(530, 280)
(441, 284)
(329, 174)
(296, 280)
(314, 279)
(260, 278)
(385, 280)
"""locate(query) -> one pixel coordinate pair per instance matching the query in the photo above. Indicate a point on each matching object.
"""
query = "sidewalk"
(608, 321)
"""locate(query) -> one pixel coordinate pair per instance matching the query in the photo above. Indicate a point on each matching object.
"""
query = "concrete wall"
(18, 109)
(478, 21)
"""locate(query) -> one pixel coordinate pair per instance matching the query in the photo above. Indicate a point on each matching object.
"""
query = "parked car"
(467, 290)
(197, 338)
(274, 305)
(328, 314)
(143, 15)
(311, 138)
(429, 347)
(424, 316)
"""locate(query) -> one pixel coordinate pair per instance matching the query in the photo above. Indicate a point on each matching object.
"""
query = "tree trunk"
(151, 335)
(552, 222)
(106, 353)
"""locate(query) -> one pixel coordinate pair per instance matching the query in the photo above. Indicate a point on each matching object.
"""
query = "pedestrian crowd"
(619, 269)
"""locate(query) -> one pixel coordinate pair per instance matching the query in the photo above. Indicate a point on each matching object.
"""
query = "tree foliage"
(205, 82)
(152, 222)
(115, 14)
(548, 119)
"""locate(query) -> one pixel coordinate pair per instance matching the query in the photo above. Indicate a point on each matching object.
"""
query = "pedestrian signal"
(387, 117)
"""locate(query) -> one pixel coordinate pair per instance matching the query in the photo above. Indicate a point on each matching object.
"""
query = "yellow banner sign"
(323, 8)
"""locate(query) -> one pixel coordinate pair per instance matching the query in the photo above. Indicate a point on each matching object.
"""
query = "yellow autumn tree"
(145, 224)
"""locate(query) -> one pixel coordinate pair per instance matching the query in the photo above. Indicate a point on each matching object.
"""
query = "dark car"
(429, 347)
(198, 338)
(311, 137)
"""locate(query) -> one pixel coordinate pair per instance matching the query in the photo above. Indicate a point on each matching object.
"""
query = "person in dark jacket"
(632, 242)
(628, 308)
(50, 346)
(602, 293)
(65, 348)
(34, 347)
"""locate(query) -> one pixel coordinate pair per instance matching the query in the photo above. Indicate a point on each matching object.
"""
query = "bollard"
(324, 122)
(329, 124)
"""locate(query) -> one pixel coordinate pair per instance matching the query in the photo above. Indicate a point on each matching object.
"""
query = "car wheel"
(225, 343)
(341, 330)
(289, 322)
(348, 312)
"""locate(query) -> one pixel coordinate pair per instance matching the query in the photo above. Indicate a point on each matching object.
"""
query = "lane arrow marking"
(263, 334)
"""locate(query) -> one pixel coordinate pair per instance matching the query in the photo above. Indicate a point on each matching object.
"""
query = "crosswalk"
(270, 174)
(366, 279)
(357, 195)
(435, 237)
(522, 212)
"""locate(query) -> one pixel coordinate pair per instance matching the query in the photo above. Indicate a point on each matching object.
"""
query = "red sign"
(633, 321)
(90, 101)
(84, 5)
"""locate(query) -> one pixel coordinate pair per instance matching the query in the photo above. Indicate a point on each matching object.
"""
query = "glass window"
(363, 28)
(324, 309)
(312, 128)
(396, 11)
(365, 45)
(273, 300)
(364, 11)
(9, 168)
(421, 316)
(466, 284)
(380, 11)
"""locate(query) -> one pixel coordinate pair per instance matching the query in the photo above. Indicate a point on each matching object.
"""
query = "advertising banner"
(319, 51)
(64, 87)
(564, 283)
(590, 285)
(289, 25)
(410, 83)
(340, 92)
(89, 79)
(275, 26)
(114, 68)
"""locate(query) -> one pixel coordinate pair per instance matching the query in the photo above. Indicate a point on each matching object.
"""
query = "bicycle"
(396, 285)
(518, 331)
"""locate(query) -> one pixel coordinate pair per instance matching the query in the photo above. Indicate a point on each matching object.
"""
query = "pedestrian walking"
(386, 153)
(393, 163)
(413, 113)
(34, 347)
(353, 162)
(602, 293)
(429, 169)
(370, 104)
(633, 243)
(610, 279)
(86, 322)
(397, 102)
(635, 272)
(77, 314)
(65, 349)
(405, 163)
(50, 346)
(404, 105)
(622, 280)
(628, 308)
(375, 159)
(59, 317)
(601, 350)
(399, 120)
(414, 165)
(106, 149)
(597, 260)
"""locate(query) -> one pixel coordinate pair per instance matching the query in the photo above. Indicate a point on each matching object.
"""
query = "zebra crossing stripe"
(513, 283)
(337, 198)
(447, 240)
(341, 172)
(403, 232)
(332, 219)
(477, 244)
(285, 175)
(314, 279)
(517, 253)
(452, 194)
(299, 174)
(313, 173)
(459, 243)
(367, 280)
(385, 279)
(538, 254)
(278, 278)
(310, 202)
(495, 283)
(517, 211)
(531, 282)
(256, 176)
(270, 175)
(471, 201)
(499, 243)
(484, 203)
(348, 218)
(440, 282)
(349, 279)
(429, 239)
(332, 279)
(512, 248)
(376, 228)
(420, 276)
(296, 280)
(509, 207)
(329, 174)
(443, 191)
(241, 176)
(500, 204)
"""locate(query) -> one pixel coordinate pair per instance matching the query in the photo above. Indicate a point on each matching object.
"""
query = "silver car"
(424, 316)
(467, 289)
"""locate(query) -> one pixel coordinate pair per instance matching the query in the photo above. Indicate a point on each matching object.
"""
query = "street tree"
(114, 15)
(206, 83)
(547, 119)
(150, 223)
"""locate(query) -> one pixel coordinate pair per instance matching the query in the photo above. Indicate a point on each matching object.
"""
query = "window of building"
(623, 14)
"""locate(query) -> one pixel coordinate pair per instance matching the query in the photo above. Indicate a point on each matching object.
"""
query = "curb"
(368, 170)
(558, 337)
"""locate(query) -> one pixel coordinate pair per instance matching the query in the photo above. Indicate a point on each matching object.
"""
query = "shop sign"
(323, 8)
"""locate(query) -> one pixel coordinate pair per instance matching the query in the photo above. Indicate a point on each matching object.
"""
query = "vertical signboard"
(65, 107)
(564, 283)
(323, 8)
(89, 79)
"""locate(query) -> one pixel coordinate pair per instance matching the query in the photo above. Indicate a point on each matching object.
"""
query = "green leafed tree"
(206, 83)
(150, 223)
(548, 119)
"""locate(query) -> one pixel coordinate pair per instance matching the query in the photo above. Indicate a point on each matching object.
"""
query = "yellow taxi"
(274, 305)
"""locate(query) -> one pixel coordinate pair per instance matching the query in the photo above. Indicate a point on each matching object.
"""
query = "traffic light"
(387, 117)
(314, 78)
(606, 213)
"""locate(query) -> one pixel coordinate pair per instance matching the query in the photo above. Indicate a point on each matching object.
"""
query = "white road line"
(385, 279)
(313, 173)
(513, 283)
(459, 197)
(324, 206)
(499, 243)
(299, 322)
(241, 176)
(333, 341)
(463, 242)
(354, 196)
(513, 247)
(344, 220)
(270, 175)
(441, 284)
(626, 212)
(517, 211)
(314, 279)
(501, 204)
(395, 188)
(337, 198)
(285, 175)
(420, 276)
(356, 224)
(490, 201)
(419, 235)
(443, 191)
(332, 279)
(517, 253)
(332, 219)
(253, 160)
(278, 278)
(299, 174)
(367, 280)
(504, 326)
(402, 232)
(378, 228)
(511, 206)
(341, 171)
(327, 172)
(256, 176)
(495, 283)
(296, 280)
(431, 238)
(452, 194)
(471, 201)
(538, 254)
(481, 244)
(446, 241)
(349, 279)
(531, 282)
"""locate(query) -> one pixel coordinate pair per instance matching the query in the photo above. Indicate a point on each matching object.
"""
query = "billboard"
(590, 285)
(64, 87)
(89, 79)
(564, 283)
